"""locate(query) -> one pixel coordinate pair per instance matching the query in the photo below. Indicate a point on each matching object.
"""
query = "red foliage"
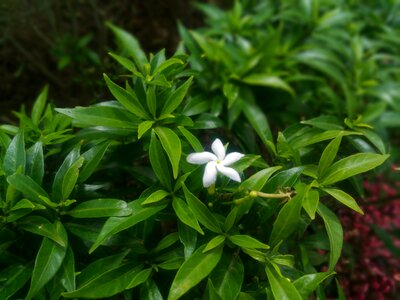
(368, 270)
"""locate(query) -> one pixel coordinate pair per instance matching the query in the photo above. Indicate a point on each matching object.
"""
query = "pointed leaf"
(116, 224)
(159, 162)
(14, 278)
(329, 155)
(352, 165)
(28, 187)
(35, 162)
(176, 98)
(172, 146)
(15, 156)
(335, 234)
(100, 208)
(47, 263)
(42, 226)
(246, 241)
(139, 277)
(185, 214)
(308, 283)
(70, 178)
(214, 242)
(128, 99)
(193, 270)
(344, 198)
(39, 105)
(156, 197)
(144, 127)
(281, 287)
(92, 158)
(268, 80)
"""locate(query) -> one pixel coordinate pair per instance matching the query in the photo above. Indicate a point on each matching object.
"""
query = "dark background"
(64, 43)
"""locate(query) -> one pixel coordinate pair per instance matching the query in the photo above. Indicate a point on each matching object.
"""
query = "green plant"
(120, 209)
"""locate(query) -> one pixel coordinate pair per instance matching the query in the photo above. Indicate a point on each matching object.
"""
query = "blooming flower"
(216, 162)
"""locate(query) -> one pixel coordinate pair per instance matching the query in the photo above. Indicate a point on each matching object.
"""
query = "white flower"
(216, 162)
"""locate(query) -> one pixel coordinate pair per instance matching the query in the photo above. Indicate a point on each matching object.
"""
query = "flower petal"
(232, 158)
(218, 148)
(229, 172)
(200, 158)
(210, 174)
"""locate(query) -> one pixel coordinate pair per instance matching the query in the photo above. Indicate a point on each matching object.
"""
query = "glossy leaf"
(144, 127)
(172, 146)
(185, 214)
(139, 277)
(107, 284)
(48, 261)
(40, 225)
(350, 166)
(28, 187)
(287, 220)
(176, 98)
(92, 159)
(281, 287)
(159, 162)
(156, 197)
(335, 234)
(99, 208)
(201, 212)
(308, 283)
(68, 271)
(70, 178)
(214, 242)
(257, 181)
(246, 241)
(328, 155)
(268, 81)
(14, 278)
(128, 99)
(116, 224)
(345, 199)
(35, 162)
(228, 276)
(193, 270)
(39, 105)
(15, 156)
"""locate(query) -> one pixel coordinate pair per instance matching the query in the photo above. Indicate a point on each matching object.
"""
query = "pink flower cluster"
(368, 270)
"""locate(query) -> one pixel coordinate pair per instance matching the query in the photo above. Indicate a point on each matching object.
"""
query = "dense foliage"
(107, 199)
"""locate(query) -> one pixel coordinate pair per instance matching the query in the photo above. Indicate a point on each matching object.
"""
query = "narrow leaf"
(185, 214)
(329, 155)
(48, 261)
(176, 98)
(344, 198)
(246, 241)
(15, 156)
(193, 270)
(100, 208)
(172, 146)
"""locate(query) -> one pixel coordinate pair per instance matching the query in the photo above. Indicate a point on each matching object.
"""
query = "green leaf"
(281, 287)
(268, 81)
(335, 234)
(70, 178)
(47, 263)
(116, 224)
(129, 45)
(151, 100)
(100, 208)
(39, 105)
(40, 225)
(108, 114)
(92, 158)
(144, 127)
(156, 197)
(374, 138)
(15, 156)
(214, 242)
(288, 219)
(150, 291)
(284, 179)
(193, 270)
(257, 181)
(159, 162)
(68, 271)
(259, 122)
(246, 241)
(185, 214)
(28, 187)
(107, 284)
(344, 198)
(192, 139)
(13, 279)
(57, 188)
(310, 203)
(128, 99)
(166, 242)
(35, 162)
(324, 123)
(139, 277)
(201, 212)
(166, 64)
(172, 146)
(308, 283)
(176, 98)
(329, 155)
(125, 62)
(313, 136)
(228, 276)
(188, 238)
(352, 165)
